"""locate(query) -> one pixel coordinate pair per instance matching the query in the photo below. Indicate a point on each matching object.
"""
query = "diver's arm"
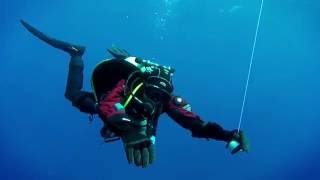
(180, 111)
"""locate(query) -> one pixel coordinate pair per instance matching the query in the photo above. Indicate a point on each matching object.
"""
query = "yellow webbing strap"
(131, 95)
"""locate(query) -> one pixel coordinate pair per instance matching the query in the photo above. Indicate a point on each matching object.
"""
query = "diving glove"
(239, 142)
(118, 52)
(138, 145)
(139, 149)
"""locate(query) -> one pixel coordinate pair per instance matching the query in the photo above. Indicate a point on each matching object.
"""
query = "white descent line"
(250, 67)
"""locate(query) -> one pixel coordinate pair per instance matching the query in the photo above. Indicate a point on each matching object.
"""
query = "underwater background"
(209, 44)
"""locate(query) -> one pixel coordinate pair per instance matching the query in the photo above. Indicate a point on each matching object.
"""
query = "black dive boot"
(73, 50)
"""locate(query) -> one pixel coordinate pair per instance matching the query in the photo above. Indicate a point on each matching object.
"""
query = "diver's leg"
(82, 100)
(75, 78)
(75, 74)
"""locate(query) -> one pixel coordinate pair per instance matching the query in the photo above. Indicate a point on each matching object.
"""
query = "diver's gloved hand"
(139, 147)
(118, 52)
(239, 142)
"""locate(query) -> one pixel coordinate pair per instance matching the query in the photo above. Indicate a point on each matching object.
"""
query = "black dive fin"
(118, 52)
(65, 46)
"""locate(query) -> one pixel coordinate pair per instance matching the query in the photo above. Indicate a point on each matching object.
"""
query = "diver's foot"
(75, 50)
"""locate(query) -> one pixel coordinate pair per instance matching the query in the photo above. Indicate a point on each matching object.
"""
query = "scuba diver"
(129, 94)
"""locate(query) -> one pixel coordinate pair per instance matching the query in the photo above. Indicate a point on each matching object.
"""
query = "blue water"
(209, 43)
